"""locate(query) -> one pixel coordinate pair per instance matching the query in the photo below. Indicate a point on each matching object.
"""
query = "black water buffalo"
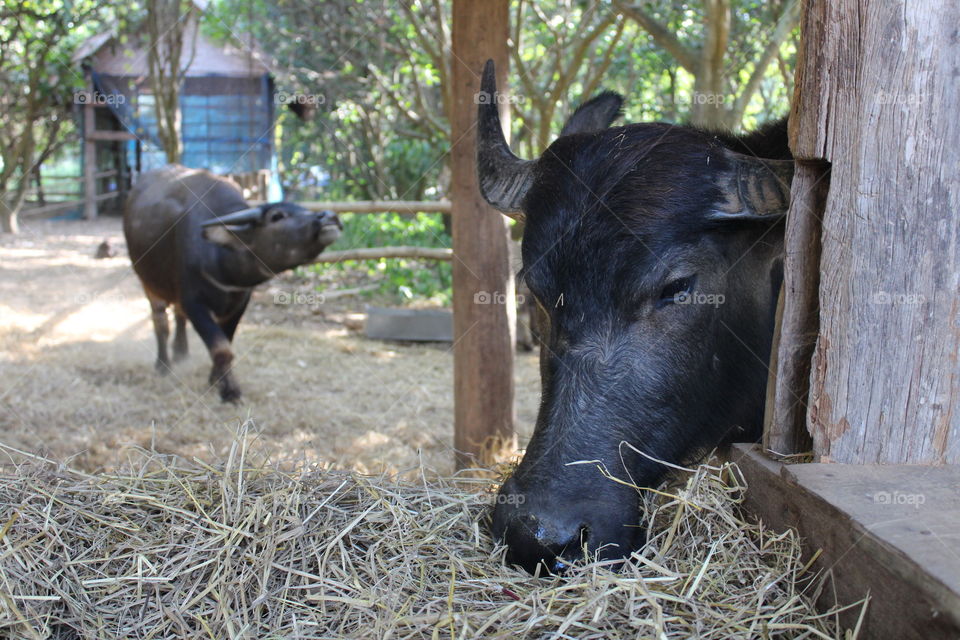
(197, 245)
(655, 251)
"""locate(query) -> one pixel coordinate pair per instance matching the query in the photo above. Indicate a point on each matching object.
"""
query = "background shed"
(226, 105)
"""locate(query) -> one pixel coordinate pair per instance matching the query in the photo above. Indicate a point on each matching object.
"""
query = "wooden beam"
(98, 174)
(380, 206)
(89, 162)
(484, 302)
(374, 206)
(109, 136)
(887, 531)
(377, 253)
(56, 207)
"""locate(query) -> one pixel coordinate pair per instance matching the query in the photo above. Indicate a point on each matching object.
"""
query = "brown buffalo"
(198, 246)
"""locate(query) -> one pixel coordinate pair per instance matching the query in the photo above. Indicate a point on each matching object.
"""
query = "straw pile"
(170, 548)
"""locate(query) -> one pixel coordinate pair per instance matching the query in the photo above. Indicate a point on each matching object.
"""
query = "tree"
(169, 24)
(550, 57)
(37, 86)
(728, 55)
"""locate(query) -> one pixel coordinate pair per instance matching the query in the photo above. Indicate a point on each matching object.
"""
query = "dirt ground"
(77, 380)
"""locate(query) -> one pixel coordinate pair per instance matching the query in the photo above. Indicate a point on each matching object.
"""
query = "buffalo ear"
(595, 114)
(754, 189)
(228, 236)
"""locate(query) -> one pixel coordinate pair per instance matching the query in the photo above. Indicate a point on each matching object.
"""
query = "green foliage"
(399, 280)
(37, 86)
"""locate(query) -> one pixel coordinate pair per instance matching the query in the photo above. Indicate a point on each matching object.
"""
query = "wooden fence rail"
(99, 174)
(375, 206)
(376, 253)
(55, 207)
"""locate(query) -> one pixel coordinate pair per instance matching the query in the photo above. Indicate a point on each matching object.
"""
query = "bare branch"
(787, 21)
(663, 36)
(599, 69)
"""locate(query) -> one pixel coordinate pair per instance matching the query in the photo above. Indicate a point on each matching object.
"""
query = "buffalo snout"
(327, 227)
(550, 533)
(329, 219)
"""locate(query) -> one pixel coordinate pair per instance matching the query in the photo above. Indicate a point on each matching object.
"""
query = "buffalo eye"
(277, 216)
(677, 291)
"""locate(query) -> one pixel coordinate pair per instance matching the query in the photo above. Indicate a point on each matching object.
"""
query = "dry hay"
(170, 548)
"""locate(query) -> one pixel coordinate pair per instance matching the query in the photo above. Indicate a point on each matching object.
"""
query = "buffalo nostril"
(573, 549)
(330, 218)
(550, 545)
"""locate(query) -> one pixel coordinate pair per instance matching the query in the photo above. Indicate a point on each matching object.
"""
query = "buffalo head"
(655, 252)
(281, 235)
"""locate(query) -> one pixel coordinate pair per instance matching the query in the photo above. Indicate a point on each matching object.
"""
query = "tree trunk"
(12, 203)
(11, 207)
(484, 304)
(8, 219)
(876, 97)
(708, 96)
(168, 21)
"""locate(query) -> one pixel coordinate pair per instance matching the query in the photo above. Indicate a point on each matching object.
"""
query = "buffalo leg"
(219, 347)
(180, 348)
(229, 325)
(161, 328)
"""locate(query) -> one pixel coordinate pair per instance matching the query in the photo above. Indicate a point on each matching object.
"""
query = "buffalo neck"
(239, 268)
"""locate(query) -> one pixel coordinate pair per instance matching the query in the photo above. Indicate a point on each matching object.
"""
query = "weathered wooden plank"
(785, 429)
(380, 206)
(59, 207)
(889, 532)
(109, 136)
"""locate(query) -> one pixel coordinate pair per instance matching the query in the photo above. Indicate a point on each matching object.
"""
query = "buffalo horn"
(244, 216)
(504, 178)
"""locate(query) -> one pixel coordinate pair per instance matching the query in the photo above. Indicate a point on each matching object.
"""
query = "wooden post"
(484, 303)
(89, 157)
(876, 98)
